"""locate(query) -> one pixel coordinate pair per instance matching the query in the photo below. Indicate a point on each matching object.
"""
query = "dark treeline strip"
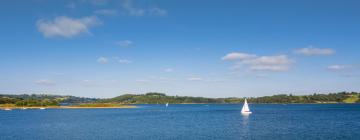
(160, 98)
(10, 98)
(28, 102)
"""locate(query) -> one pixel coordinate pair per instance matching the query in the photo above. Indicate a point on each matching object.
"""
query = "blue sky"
(211, 48)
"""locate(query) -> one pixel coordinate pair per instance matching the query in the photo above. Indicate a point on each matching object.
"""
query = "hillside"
(42, 100)
(153, 98)
(161, 98)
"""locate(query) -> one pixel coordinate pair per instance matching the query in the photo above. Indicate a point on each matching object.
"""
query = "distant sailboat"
(7, 109)
(245, 109)
(167, 104)
(42, 108)
(23, 107)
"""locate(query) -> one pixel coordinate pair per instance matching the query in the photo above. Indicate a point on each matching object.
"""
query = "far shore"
(70, 107)
(135, 105)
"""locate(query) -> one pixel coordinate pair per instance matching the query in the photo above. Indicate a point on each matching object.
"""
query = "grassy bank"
(89, 106)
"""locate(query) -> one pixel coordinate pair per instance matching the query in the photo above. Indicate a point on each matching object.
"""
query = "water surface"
(184, 122)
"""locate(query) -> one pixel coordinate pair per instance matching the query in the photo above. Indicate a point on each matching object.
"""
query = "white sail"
(167, 104)
(245, 109)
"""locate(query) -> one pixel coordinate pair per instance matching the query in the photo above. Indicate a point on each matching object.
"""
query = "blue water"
(184, 122)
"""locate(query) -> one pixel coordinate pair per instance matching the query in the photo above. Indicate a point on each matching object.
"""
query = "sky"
(209, 48)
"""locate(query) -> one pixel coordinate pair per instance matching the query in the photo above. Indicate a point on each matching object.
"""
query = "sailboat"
(245, 109)
(23, 106)
(167, 104)
(42, 108)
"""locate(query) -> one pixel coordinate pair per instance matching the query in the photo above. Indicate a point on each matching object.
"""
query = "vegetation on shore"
(154, 98)
(40, 100)
(59, 98)
(36, 100)
(28, 102)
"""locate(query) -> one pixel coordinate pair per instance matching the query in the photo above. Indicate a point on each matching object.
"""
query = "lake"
(184, 122)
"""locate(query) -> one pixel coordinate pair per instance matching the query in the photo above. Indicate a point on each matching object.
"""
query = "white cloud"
(66, 27)
(106, 12)
(102, 60)
(195, 79)
(157, 11)
(270, 63)
(124, 43)
(131, 10)
(259, 63)
(350, 71)
(45, 82)
(312, 51)
(122, 61)
(337, 67)
(97, 2)
(238, 56)
(168, 70)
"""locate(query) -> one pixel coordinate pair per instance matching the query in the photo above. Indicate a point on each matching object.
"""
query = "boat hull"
(245, 112)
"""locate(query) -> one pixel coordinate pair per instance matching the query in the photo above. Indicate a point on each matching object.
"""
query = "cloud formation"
(349, 71)
(156, 11)
(97, 2)
(195, 79)
(106, 12)
(102, 60)
(66, 27)
(131, 10)
(124, 43)
(238, 56)
(45, 82)
(312, 51)
(259, 63)
(338, 67)
(122, 61)
(168, 70)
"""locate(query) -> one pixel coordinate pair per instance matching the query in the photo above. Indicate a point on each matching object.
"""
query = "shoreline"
(242, 103)
(137, 105)
(69, 107)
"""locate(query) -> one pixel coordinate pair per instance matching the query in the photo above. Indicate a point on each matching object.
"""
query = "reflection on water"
(244, 130)
(245, 118)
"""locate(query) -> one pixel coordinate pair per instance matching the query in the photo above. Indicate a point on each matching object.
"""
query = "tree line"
(161, 98)
(31, 100)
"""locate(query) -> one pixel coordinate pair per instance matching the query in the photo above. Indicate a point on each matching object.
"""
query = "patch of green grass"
(351, 99)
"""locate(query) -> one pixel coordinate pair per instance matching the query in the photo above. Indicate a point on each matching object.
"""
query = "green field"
(351, 99)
